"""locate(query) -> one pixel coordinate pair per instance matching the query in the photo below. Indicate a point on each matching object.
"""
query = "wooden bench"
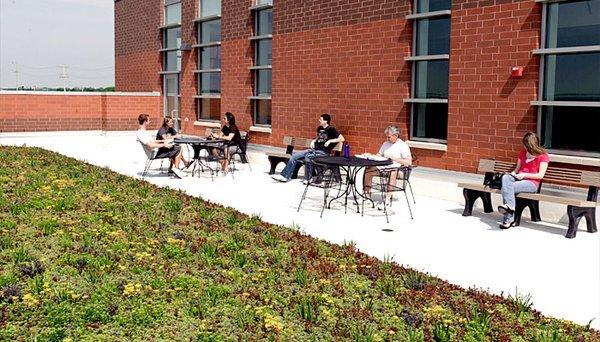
(294, 142)
(576, 208)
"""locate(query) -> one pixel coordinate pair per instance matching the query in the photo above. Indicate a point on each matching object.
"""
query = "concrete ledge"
(261, 129)
(589, 161)
(77, 93)
(427, 145)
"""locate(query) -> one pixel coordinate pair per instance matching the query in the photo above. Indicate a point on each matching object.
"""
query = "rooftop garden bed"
(88, 254)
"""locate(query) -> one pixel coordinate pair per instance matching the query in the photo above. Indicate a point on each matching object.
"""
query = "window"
(569, 98)
(263, 60)
(430, 70)
(171, 59)
(172, 12)
(208, 99)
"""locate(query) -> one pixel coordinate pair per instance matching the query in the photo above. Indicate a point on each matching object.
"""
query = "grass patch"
(87, 254)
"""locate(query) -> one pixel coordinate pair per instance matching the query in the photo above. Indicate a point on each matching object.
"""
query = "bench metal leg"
(575, 214)
(471, 196)
(274, 162)
(534, 210)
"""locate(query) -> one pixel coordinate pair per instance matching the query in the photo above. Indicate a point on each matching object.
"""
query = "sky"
(40, 36)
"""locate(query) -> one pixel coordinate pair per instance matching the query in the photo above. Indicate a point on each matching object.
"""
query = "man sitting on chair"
(396, 150)
(164, 148)
(327, 138)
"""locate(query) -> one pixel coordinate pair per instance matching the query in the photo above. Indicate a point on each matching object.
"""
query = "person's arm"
(159, 143)
(517, 168)
(404, 161)
(227, 137)
(539, 175)
(339, 139)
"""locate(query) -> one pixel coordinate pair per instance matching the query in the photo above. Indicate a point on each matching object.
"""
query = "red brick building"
(462, 79)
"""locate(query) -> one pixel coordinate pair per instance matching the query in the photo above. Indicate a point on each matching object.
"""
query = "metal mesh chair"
(402, 175)
(151, 156)
(325, 177)
(240, 150)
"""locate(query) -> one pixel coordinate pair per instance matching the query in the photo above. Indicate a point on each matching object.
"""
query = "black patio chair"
(240, 150)
(402, 184)
(324, 177)
(151, 156)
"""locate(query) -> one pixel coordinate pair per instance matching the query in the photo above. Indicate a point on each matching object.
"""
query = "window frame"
(540, 102)
(256, 68)
(199, 72)
(414, 58)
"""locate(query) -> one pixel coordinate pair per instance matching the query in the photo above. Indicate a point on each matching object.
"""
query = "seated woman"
(231, 133)
(396, 150)
(168, 132)
(531, 167)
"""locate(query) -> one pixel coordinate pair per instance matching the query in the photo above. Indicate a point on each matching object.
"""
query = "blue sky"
(42, 35)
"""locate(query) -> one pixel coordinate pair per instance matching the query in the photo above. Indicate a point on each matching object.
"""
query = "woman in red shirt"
(526, 177)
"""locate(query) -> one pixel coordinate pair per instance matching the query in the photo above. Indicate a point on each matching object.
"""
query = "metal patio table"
(201, 143)
(352, 167)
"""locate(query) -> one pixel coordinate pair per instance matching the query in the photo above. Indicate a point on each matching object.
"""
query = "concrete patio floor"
(562, 275)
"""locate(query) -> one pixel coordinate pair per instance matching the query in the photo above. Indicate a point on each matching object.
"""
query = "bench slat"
(556, 199)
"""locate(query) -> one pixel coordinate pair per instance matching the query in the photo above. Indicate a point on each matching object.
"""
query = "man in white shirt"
(162, 148)
(396, 150)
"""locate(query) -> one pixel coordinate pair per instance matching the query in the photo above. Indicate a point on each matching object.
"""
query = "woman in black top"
(231, 133)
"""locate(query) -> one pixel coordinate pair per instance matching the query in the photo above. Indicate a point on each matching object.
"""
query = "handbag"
(494, 180)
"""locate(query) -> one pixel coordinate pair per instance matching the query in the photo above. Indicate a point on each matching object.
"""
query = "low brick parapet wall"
(35, 111)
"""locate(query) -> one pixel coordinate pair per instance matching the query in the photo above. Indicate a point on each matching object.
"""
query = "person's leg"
(391, 184)
(291, 164)
(510, 188)
(178, 156)
(308, 172)
(368, 176)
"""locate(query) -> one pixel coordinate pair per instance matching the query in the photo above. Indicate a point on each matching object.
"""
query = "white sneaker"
(178, 173)
(280, 178)
(305, 181)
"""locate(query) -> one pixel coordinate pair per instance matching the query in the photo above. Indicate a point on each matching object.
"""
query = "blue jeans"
(511, 187)
(291, 164)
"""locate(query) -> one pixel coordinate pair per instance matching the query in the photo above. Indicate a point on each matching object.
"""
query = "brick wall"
(137, 41)
(39, 111)
(489, 111)
(346, 57)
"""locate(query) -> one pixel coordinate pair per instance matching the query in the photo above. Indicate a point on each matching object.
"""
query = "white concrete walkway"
(562, 275)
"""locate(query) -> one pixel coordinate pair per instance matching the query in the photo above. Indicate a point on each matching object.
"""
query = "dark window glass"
(173, 14)
(210, 31)
(262, 112)
(263, 82)
(209, 109)
(264, 52)
(573, 23)
(210, 57)
(433, 36)
(172, 60)
(210, 83)
(431, 79)
(210, 7)
(430, 120)
(571, 128)
(572, 77)
(172, 38)
(264, 22)
(433, 5)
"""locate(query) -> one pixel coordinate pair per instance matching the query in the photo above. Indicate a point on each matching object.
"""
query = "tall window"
(171, 58)
(430, 56)
(262, 69)
(569, 98)
(209, 60)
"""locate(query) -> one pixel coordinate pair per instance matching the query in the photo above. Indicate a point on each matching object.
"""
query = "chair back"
(150, 153)
(244, 141)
